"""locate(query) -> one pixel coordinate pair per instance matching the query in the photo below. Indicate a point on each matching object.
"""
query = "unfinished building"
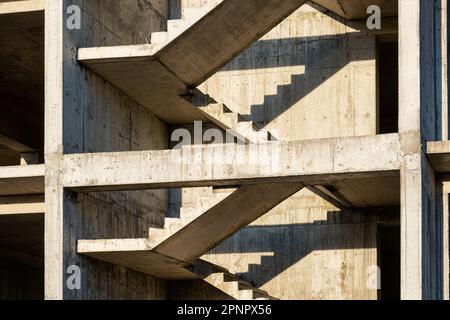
(224, 149)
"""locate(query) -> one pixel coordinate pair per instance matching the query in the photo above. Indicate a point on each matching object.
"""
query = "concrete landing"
(19, 14)
(364, 170)
(135, 254)
(137, 72)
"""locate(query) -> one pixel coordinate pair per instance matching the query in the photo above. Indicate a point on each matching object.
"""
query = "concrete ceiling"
(357, 9)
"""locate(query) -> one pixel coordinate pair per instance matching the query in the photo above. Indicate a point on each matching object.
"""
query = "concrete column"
(53, 149)
(445, 239)
(421, 275)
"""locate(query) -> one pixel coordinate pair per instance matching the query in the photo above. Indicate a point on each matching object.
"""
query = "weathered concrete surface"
(156, 79)
(85, 114)
(239, 209)
(356, 157)
(139, 74)
(22, 180)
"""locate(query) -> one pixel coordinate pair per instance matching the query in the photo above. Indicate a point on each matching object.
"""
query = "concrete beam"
(134, 70)
(439, 155)
(22, 208)
(20, 14)
(21, 257)
(238, 24)
(22, 180)
(135, 254)
(312, 162)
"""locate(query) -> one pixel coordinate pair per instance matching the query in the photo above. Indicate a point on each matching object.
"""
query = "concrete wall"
(311, 69)
(99, 118)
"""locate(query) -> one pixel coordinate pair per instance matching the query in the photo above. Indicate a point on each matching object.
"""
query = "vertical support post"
(443, 28)
(421, 247)
(53, 149)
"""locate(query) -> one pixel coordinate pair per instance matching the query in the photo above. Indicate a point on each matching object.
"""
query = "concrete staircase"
(227, 282)
(189, 238)
(195, 47)
(175, 27)
(221, 115)
(204, 200)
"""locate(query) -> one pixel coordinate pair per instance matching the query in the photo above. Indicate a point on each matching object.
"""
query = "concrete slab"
(439, 155)
(22, 180)
(156, 79)
(135, 71)
(135, 254)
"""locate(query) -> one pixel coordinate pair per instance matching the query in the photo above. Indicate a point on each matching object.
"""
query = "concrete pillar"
(53, 149)
(421, 274)
(445, 240)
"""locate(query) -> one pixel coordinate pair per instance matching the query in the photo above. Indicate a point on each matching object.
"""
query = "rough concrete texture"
(136, 214)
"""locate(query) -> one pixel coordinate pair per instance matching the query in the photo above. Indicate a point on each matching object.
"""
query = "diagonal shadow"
(321, 57)
(292, 242)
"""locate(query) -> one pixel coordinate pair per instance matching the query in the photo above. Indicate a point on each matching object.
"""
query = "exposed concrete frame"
(54, 26)
(406, 155)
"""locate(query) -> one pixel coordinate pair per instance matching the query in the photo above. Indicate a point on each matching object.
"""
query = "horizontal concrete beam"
(22, 14)
(439, 155)
(22, 208)
(14, 7)
(22, 180)
(313, 162)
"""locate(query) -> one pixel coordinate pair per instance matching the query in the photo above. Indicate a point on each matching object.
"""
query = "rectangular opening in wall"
(22, 255)
(21, 83)
(389, 261)
(387, 78)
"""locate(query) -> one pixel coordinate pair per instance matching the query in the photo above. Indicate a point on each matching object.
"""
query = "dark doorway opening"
(389, 262)
(387, 64)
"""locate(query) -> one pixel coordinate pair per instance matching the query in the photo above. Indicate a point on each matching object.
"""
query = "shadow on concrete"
(290, 243)
(320, 57)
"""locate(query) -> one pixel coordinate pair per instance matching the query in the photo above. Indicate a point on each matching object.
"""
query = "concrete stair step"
(216, 110)
(176, 27)
(231, 214)
(227, 282)
(238, 289)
